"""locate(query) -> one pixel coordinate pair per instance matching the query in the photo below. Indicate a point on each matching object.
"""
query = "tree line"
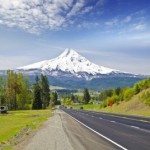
(17, 93)
(70, 99)
(111, 96)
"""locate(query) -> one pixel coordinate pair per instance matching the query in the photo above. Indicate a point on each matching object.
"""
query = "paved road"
(61, 132)
(128, 132)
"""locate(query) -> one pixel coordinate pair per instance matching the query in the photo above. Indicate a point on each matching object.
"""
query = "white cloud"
(87, 9)
(112, 22)
(76, 8)
(139, 27)
(88, 25)
(127, 19)
(12, 62)
(36, 15)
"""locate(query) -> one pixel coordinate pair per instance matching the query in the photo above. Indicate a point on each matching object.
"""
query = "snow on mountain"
(69, 61)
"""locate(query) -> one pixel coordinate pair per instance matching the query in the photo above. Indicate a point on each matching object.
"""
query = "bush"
(145, 97)
(110, 101)
(81, 107)
(128, 93)
(103, 104)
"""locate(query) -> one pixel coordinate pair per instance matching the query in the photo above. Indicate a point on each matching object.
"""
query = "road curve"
(124, 132)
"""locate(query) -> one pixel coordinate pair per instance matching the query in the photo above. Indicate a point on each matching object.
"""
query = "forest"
(17, 93)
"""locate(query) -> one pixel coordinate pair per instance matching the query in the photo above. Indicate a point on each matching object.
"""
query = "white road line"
(123, 117)
(135, 127)
(113, 121)
(98, 133)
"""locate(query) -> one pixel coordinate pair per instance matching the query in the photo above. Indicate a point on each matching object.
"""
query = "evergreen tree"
(45, 95)
(73, 98)
(86, 96)
(37, 101)
(2, 91)
(136, 89)
(54, 98)
(118, 91)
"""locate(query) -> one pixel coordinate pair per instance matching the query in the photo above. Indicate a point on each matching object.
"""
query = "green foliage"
(118, 91)
(17, 91)
(128, 93)
(37, 99)
(73, 97)
(136, 88)
(145, 97)
(115, 96)
(2, 91)
(86, 96)
(67, 101)
(45, 91)
(104, 94)
(17, 94)
(109, 97)
(54, 98)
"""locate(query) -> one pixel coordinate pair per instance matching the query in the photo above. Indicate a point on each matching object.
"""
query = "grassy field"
(95, 107)
(18, 123)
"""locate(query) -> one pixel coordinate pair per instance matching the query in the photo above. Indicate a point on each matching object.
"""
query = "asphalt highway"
(125, 132)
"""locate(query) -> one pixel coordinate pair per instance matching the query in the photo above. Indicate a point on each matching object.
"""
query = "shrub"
(110, 101)
(81, 107)
(128, 93)
(145, 97)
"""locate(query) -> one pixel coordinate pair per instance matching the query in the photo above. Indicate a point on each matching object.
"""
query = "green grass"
(95, 107)
(17, 123)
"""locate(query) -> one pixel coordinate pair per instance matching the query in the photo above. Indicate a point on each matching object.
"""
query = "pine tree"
(2, 91)
(45, 95)
(136, 89)
(86, 96)
(37, 101)
(54, 98)
(72, 98)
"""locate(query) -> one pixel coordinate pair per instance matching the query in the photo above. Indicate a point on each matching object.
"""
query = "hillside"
(135, 106)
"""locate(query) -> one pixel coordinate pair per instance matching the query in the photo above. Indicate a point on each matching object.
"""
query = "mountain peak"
(70, 62)
(68, 52)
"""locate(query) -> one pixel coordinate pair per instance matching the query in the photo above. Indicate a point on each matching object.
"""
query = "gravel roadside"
(50, 137)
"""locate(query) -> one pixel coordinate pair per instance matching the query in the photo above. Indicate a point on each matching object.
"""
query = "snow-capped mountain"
(73, 71)
(69, 63)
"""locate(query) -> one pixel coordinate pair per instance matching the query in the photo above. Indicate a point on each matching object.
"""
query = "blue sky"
(112, 33)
